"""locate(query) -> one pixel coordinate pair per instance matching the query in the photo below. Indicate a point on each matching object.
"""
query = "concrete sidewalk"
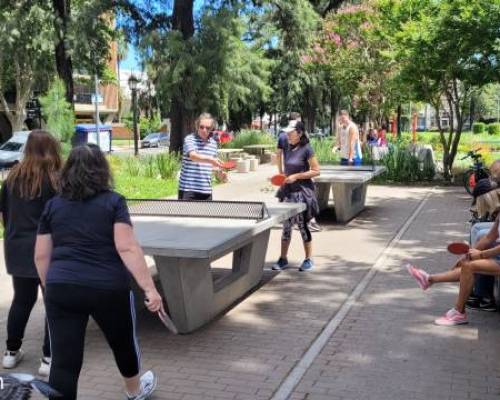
(386, 347)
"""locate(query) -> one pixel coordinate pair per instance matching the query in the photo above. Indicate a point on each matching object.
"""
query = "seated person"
(372, 137)
(483, 258)
(382, 140)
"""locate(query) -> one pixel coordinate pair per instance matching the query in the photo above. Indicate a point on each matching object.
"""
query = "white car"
(12, 151)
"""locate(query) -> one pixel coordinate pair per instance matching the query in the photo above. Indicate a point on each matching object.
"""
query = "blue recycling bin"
(86, 133)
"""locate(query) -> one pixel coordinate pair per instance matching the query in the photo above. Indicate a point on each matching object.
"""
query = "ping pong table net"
(198, 209)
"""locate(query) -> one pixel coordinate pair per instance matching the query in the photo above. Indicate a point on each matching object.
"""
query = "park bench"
(186, 237)
(226, 154)
(348, 184)
(260, 150)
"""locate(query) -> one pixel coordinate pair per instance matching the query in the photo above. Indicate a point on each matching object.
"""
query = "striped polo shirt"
(196, 176)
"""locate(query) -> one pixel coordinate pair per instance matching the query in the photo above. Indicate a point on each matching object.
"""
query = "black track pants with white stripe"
(68, 309)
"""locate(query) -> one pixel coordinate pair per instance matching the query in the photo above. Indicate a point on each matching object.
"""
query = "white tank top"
(344, 142)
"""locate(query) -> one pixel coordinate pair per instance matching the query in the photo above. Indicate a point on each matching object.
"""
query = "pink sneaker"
(451, 318)
(420, 276)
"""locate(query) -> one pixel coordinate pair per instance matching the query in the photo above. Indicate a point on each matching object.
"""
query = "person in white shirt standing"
(348, 141)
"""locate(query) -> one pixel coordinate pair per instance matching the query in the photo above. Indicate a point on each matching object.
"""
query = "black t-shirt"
(296, 160)
(84, 251)
(20, 219)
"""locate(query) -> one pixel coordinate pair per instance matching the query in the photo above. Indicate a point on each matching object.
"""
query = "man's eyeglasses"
(202, 127)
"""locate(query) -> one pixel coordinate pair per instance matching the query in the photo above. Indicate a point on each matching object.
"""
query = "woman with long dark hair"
(300, 166)
(30, 184)
(85, 253)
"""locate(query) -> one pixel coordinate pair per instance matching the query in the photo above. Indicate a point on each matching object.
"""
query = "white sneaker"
(44, 369)
(148, 385)
(12, 358)
(313, 226)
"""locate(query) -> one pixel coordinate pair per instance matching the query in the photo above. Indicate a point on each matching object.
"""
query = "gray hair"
(204, 115)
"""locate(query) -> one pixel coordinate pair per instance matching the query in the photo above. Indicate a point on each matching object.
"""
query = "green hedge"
(249, 137)
(494, 129)
(478, 128)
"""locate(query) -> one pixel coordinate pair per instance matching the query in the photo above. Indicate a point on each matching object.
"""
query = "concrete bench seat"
(348, 184)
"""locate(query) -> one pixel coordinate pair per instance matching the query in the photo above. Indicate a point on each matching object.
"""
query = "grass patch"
(139, 187)
(152, 177)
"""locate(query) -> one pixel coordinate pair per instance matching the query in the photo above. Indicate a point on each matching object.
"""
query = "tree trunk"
(183, 21)
(334, 110)
(64, 64)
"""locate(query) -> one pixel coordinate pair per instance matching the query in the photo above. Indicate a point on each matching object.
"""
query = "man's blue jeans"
(483, 284)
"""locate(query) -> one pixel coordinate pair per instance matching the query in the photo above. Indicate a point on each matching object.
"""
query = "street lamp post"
(133, 82)
(96, 103)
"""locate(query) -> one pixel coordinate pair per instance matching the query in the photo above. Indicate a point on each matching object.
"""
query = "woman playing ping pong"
(301, 166)
(483, 258)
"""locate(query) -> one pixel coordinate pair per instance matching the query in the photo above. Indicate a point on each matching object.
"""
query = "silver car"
(12, 151)
(157, 139)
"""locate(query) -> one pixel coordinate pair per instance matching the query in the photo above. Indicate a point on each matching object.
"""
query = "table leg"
(194, 298)
(349, 199)
(323, 194)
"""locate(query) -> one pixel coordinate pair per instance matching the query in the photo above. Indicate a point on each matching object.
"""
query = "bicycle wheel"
(469, 180)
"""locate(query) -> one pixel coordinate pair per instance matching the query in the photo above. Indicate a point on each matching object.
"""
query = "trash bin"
(86, 133)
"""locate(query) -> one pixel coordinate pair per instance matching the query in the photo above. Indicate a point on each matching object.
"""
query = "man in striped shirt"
(198, 159)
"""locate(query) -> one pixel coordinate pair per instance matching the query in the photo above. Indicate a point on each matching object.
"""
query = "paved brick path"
(386, 347)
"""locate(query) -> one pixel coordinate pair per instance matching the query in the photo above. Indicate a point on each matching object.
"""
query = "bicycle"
(476, 172)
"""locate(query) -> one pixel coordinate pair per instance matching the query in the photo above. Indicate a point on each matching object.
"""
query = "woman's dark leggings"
(25, 296)
(68, 310)
(301, 221)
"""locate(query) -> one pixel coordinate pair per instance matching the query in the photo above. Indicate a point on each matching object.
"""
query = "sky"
(131, 62)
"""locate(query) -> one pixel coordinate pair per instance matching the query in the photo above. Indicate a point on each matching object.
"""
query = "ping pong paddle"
(227, 165)
(278, 179)
(458, 248)
(169, 324)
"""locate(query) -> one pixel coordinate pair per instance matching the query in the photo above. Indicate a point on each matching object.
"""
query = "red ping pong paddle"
(278, 180)
(458, 248)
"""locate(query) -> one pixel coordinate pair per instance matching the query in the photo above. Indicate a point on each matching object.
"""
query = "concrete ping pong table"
(184, 245)
(349, 184)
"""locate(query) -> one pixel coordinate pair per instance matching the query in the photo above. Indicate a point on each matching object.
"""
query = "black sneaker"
(487, 305)
(481, 305)
(473, 303)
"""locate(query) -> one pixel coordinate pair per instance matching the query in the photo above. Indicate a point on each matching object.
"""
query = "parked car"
(12, 151)
(156, 139)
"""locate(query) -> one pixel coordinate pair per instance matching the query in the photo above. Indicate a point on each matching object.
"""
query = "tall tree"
(456, 45)
(25, 54)
(181, 116)
(64, 63)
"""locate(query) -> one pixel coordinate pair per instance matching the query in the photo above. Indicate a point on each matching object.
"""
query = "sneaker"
(148, 383)
(281, 264)
(420, 276)
(307, 265)
(44, 369)
(12, 358)
(313, 226)
(487, 305)
(473, 303)
(452, 318)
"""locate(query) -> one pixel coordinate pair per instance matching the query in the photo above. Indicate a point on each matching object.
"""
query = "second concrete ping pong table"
(349, 184)
(184, 248)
